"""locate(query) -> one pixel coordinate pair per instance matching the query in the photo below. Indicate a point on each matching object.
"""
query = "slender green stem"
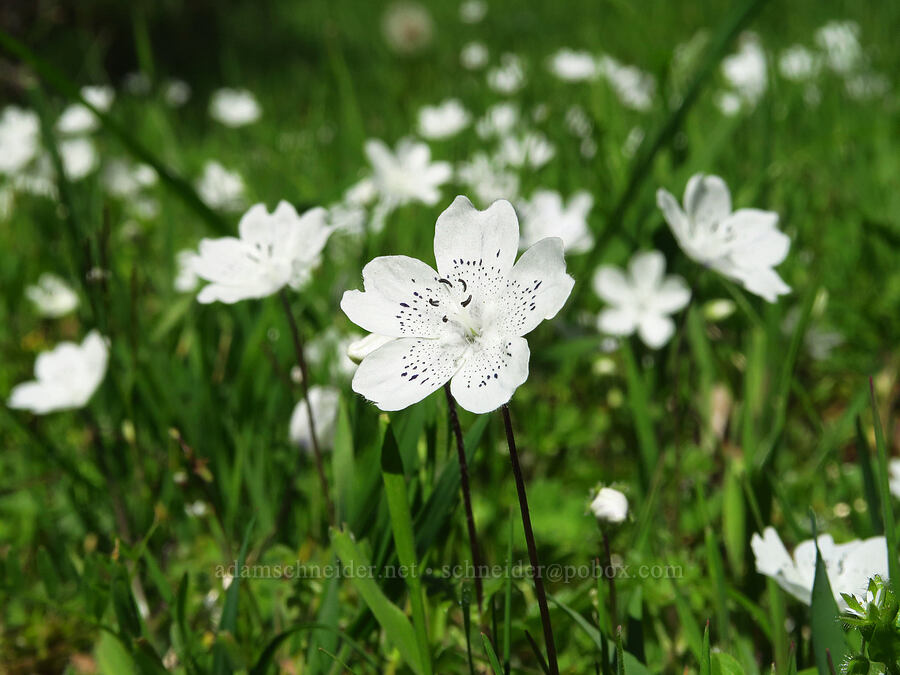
(610, 575)
(467, 496)
(304, 374)
(532, 548)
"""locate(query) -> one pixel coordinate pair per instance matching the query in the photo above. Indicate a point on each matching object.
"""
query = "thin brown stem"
(532, 548)
(304, 374)
(467, 497)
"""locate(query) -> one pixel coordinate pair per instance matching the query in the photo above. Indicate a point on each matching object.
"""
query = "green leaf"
(887, 506)
(344, 466)
(125, 608)
(725, 664)
(392, 620)
(705, 661)
(639, 404)
(48, 573)
(492, 656)
(404, 539)
(228, 623)
(825, 619)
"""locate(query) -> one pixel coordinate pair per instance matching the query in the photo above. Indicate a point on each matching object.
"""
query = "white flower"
(274, 250)
(234, 107)
(545, 215)
(849, 566)
(52, 296)
(641, 300)
(488, 179)
(79, 157)
(186, 279)
(798, 64)
(633, 86)
(407, 27)
(463, 323)
(894, 472)
(221, 188)
(444, 120)
(573, 66)
(19, 138)
(867, 86)
(746, 70)
(743, 245)
(577, 121)
(508, 77)
(65, 377)
(531, 149)
(840, 40)
(472, 11)
(473, 56)
(330, 349)
(78, 118)
(610, 506)
(122, 179)
(325, 402)
(406, 175)
(729, 103)
(499, 120)
(176, 93)
(361, 193)
(360, 349)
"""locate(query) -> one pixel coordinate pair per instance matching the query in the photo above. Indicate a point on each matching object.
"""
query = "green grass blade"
(491, 655)
(228, 623)
(640, 407)
(884, 489)
(825, 624)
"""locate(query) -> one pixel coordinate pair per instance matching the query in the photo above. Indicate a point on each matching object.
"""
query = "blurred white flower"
(196, 509)
(849, 566)
(65, 377)
(577, 121)
(545, 215)
(407, 174)
(221, 188)
(473, 56)
(744, 245)
(52, 296)
(123, 179)
(176, 93)
(7, 200)
(362, 192)
(610, 506)
(488, 179)
(498, 120)
(360, 349)
(633, 141)
(798, 64)
(642, 299)
(78, 118)
(79, 157)
(274, 250)
(472, 11)
(745, 70)
(463, 323)
(186, 279)
(234, 107)
(866, 86)
(840, 41)
(894, 474)
(20, 132)
(329, 348)
(509, 76)
(633, 86)
(729, 103)
(444, 120)
(407, 27)
(347, 217)
(325, 402)
(573, 66)
(38, 178)
(718, 310)
(531, 149)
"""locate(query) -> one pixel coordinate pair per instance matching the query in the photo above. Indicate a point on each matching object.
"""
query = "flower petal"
(674, 214)
(671, 296)
(611, 286)
(646, 270)
(706, 200)
(490, 374)
(617, 321)
(477, 247)
(756, 241)
(655, 329)
(537, 288)
(761, 281)
(403, 298)
(405, 371)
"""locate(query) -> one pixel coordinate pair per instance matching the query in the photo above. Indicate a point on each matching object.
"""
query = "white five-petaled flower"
(19, 139)
(325, 401)
(743, 245)
(406, 175)
(52, 296)
(65, 377)
(444, 120)
(610, 506)
(234, 107)
(464, 322)
(545, 215)
(274, 250)
(642, 299)
(849, 565)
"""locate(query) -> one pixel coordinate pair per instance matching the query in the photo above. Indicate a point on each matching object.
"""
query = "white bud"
(610, 506)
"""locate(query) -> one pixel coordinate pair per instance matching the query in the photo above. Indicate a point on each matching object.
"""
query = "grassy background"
(90, 510)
